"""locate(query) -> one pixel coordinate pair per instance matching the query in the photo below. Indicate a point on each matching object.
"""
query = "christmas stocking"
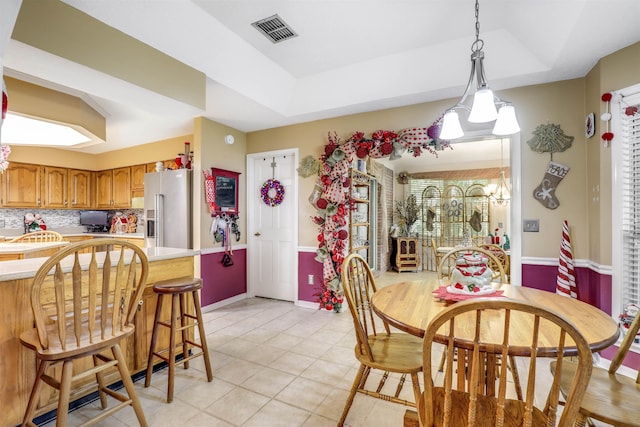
(431, 215)
(476, 220)
(545, 192)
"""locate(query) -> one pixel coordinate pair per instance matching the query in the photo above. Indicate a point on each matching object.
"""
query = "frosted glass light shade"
(451, 128)
(507, 123)
(483, 109)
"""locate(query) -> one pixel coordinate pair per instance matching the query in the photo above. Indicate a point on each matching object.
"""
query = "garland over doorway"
(333, 200)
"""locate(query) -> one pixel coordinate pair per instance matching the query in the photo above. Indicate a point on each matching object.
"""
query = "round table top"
(410, 306)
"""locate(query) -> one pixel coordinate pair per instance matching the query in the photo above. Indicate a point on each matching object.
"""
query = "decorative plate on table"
(442, 293)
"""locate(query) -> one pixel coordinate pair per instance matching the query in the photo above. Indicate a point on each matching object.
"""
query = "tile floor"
(274, 364)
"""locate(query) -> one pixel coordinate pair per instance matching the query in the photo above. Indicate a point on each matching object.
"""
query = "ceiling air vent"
(275, 29)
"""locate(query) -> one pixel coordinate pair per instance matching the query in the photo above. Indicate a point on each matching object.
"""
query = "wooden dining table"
(410, 306)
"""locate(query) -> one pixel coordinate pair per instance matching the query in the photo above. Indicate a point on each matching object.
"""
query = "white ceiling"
(350, 56)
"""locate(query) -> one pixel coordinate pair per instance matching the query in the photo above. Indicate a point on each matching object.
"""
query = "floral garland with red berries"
(335, 201)
(278, 192)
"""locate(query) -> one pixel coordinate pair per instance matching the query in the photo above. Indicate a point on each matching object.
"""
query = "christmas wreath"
(275, 197)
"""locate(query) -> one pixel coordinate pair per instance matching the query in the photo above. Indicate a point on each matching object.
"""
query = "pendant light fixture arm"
(485, 104)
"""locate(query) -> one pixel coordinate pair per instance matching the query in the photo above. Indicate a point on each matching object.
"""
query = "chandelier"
(486, 107)
(499, 194)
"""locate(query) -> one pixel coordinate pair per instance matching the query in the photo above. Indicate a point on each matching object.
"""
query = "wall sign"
(226, 191)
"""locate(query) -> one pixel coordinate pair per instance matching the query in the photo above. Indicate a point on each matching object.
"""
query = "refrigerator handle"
(159, 231)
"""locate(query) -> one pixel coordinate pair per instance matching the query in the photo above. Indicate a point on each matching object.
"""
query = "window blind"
(630, 127)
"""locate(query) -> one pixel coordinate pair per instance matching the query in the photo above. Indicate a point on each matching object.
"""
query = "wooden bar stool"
(178, 289)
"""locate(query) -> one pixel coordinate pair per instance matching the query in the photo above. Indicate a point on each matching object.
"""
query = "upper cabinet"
(104, 189)
(34, 186)
(137, 180)
(21, 186)
(113, 188)
(79, 190)
(122, 187)
(54, 187)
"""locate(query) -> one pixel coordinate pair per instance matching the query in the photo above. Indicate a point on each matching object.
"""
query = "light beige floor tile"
(292, 363)
(285, 341)
(238, 370)
(278, 414)
(263, 354)
(203, 394)
(237, 406)
(268, 381)
(327, 373)
(318, 421)
(202, 419)
(305, 394)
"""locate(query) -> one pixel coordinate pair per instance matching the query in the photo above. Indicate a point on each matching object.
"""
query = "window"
(626, 201)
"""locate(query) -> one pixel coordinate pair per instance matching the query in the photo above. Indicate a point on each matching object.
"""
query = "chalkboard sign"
(226, 190)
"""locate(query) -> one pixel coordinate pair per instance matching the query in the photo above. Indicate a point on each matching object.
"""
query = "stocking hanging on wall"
(545, 191)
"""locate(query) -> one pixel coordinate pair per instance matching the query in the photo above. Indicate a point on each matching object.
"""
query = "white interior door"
(272, 230)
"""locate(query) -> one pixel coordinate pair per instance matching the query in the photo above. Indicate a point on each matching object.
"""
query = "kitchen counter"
(26, 268)
(114, 235)
(20, 250)
(18, 368)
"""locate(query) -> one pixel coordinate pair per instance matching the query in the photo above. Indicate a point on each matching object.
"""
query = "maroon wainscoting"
(593, 288)
(308, 265)
(220, 282)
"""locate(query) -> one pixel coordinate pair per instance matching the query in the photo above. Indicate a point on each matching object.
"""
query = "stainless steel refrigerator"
(167, 209)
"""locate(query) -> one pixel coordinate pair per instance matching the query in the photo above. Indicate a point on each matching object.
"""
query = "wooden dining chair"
(461, 397)
(445, 268)
(436, 255)
(448, 262)
(611, 398)
(500, 254)
(41, 236)
(385, 351)
(83, 307)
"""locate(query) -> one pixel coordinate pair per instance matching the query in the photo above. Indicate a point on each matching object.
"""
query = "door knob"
(257, 233)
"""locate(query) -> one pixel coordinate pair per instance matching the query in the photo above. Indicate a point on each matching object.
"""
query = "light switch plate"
(531, 225)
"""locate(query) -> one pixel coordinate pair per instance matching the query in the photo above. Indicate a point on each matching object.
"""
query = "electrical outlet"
(531, 225)
(310, 279)
(500, 225)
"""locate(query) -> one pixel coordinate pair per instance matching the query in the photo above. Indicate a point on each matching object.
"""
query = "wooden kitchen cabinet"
(104, 189)
(79, 190)
(54, 187)
(113, 188)
(137, 180)
(27, 185)
(21, 186)
(122, 187)
(168, 164)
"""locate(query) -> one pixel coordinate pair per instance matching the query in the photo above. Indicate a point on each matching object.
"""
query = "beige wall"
(560, 103)
(37, 101)
(214, 152)
(565, 103)
(613, 72)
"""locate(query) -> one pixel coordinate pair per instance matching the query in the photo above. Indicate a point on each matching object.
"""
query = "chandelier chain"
(478, 44)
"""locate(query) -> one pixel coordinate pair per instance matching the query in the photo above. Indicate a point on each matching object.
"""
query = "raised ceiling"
(349, 56)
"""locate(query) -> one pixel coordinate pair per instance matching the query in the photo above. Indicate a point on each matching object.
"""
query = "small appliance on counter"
(167, 209)
(95, 221)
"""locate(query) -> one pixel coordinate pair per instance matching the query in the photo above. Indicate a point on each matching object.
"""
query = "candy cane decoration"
(606, 117)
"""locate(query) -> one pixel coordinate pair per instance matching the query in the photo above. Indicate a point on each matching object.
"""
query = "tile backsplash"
(53, 218)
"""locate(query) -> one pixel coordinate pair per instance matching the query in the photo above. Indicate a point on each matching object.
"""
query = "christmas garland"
(335, 201)
(278, 194)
